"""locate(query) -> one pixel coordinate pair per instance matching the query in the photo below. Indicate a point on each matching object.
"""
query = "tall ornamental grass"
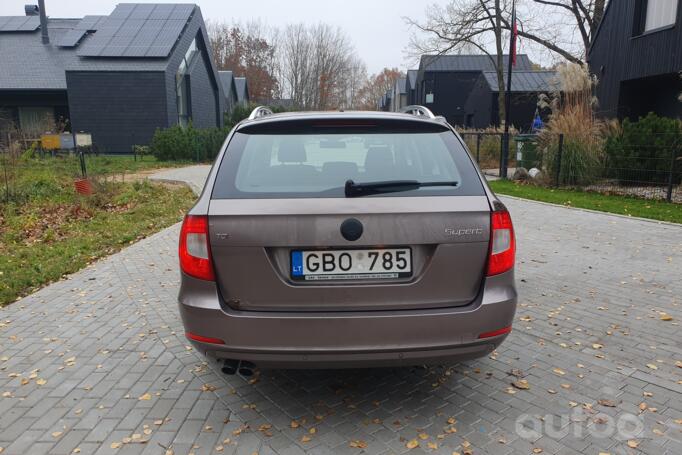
(582, 155)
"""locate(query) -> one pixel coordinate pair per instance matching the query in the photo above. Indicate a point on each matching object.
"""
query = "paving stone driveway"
(97, 363)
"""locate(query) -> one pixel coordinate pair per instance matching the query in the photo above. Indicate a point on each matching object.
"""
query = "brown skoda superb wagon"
(346, 239)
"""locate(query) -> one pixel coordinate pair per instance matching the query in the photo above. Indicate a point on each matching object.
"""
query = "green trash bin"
(527, 151)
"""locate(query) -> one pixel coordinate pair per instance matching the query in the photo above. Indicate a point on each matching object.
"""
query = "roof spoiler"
(421, 111)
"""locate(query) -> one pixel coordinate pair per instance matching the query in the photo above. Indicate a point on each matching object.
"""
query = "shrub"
(187, 144)
(642, 151)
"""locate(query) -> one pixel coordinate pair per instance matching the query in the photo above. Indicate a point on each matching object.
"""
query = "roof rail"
(419, 111)
(260, 111)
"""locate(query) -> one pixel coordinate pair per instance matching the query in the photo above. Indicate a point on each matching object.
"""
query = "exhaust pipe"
(246, 368)
(230, 366)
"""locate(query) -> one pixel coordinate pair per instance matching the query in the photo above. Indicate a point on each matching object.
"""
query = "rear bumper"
(348, 339)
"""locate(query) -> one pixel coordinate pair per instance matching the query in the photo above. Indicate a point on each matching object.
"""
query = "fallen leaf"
(423, 436)
(597, 346)
(358, 444)
(633, 444)
(41, 381)
(57, 434)
(559, 371)
(652, 366)
(432, 445)
(666, 317)
(115, 445)
(294, 424)
(607, 403)
(305, 438)
(537, 450)
(412, 443)
(521, 384)
(145, 397)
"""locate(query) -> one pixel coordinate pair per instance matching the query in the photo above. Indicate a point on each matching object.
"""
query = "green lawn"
(47, 230)
(622, 205)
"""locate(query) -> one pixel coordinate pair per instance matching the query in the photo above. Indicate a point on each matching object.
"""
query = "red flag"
(515, 34)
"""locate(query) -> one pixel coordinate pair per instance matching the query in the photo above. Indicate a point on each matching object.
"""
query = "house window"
(183, 101)
(182, 86)
(659, 14)
(36, 120)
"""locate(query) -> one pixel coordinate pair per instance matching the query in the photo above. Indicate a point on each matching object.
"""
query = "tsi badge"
(455, 232)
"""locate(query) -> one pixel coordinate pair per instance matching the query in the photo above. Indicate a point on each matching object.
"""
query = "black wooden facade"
(638, 71)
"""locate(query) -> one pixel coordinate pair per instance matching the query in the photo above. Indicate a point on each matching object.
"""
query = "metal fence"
(650, 170)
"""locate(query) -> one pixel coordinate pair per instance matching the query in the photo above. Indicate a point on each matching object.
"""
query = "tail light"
(495, 333)
(502, 243)
(195, 252)
(203, 339)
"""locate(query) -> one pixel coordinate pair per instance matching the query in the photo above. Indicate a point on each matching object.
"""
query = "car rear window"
(319, 164)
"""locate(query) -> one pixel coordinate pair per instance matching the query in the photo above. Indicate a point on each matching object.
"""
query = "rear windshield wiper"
(353, 189)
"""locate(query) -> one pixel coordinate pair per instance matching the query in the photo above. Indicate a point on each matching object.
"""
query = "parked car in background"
(346, 239)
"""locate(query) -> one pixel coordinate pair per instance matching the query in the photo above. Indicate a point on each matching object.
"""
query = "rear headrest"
(379, 157)
(291, 150)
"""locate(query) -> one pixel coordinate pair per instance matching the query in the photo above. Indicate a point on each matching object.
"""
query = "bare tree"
(356, 80)
(248, 51)
(316, 63)
(585, 14)
(377, 85)
(553, 25)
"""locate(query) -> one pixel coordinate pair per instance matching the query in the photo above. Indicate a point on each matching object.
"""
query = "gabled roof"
(412, 78)
(525, 81)
(468, 63)
(242, 89)
(401, 85)
(228, 83)
(118, 42)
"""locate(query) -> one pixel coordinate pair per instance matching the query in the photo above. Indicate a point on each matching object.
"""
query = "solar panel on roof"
(141, 12)
(122, 11)
(138, 31)
(71, 38)
(19, 23)
(161, 12)
(181, 11)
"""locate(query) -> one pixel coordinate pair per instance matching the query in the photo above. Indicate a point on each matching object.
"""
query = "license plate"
(351, 264)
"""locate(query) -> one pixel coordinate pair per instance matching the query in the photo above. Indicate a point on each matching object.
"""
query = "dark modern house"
(399, 95)
(637, 56)
(242, 85)
(411, 87)
(227, 81)
(118, 77)
(481, 108)
(444, 82)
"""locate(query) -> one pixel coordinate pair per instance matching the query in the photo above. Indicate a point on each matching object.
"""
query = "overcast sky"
(375, 26)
